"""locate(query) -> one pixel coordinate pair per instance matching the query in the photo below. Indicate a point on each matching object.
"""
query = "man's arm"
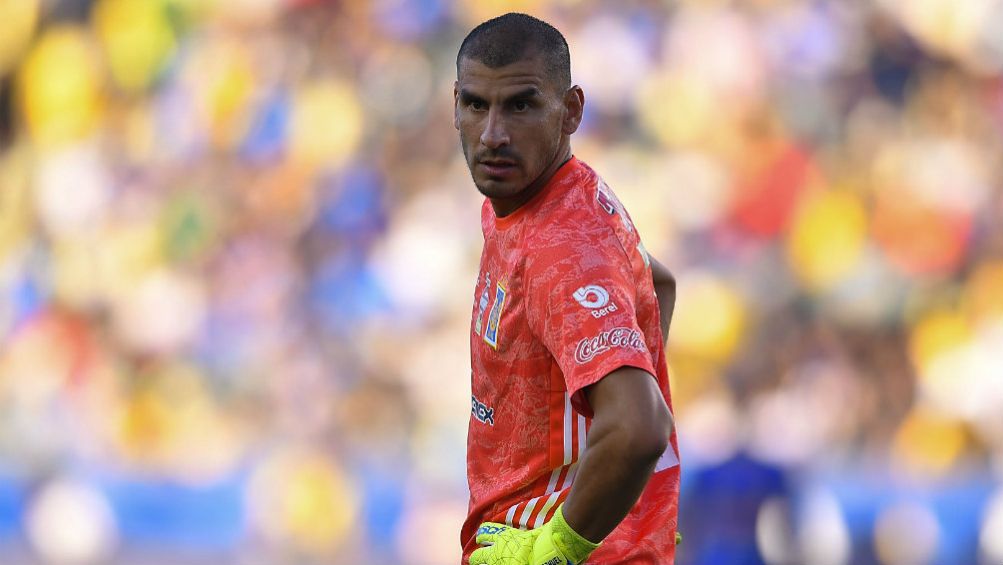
(665, 291)
(630, 431)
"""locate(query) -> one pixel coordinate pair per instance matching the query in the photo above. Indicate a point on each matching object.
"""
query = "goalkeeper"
(571, 452)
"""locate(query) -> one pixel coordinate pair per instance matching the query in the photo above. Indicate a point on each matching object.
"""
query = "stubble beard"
(484, 190)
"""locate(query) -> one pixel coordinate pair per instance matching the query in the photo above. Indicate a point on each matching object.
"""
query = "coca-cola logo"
(622, 337)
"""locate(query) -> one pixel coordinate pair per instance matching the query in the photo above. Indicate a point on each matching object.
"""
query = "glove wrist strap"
(570, 542)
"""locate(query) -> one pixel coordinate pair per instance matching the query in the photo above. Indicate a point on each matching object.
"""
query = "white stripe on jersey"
(546, 508)
(524, 520)
(581, 436)
(553, 480)
(510, 516)
(568, 415)
(570, 463)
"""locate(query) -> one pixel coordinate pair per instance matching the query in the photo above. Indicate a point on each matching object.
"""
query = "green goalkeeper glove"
(553, 543)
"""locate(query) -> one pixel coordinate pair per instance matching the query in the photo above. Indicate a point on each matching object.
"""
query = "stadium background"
(238, 245)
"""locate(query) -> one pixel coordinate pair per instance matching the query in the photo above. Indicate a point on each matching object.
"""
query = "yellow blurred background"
(238, 244)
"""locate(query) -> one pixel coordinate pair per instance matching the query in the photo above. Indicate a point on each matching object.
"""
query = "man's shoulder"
(578, 215)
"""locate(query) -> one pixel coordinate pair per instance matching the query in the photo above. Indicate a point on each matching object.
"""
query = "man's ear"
(574, 105)
(456, 104)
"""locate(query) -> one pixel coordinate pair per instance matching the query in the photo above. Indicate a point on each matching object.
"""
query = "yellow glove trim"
(572, 545)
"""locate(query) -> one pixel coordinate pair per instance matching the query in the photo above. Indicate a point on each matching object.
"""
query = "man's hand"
(554, 543)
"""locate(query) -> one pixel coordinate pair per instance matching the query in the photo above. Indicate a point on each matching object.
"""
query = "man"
(571, 450)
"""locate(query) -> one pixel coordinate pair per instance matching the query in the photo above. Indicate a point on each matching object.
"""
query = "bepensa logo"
(596, 299)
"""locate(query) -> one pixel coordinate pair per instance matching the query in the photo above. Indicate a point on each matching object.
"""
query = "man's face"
(510, 121)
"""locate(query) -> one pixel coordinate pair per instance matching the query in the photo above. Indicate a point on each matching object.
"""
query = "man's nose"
(495, 133)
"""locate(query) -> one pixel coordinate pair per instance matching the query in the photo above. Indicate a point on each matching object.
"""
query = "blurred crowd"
(238, 245)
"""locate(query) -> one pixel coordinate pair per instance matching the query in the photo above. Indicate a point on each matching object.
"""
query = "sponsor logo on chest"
(482, 412)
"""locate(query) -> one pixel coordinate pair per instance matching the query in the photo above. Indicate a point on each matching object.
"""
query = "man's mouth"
(497, 167)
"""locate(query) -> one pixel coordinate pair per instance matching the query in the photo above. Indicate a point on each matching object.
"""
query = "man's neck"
(505, 206)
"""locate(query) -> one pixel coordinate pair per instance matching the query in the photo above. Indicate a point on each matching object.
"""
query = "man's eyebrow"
(528, 92)
(467, 97)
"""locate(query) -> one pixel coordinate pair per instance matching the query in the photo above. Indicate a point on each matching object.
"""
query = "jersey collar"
(562, 173)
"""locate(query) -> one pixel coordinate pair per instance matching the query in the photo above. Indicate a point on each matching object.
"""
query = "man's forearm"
(613, 472)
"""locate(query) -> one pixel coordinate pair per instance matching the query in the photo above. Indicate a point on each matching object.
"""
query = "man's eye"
(521, 106)
(476, 105)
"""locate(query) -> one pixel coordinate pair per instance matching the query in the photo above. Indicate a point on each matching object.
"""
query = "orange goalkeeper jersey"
(564, 297)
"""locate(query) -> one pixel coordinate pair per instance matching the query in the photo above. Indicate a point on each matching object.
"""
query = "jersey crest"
(494, 318)
(483, 303)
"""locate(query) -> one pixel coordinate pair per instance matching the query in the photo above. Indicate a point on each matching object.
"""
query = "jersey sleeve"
(582, 308)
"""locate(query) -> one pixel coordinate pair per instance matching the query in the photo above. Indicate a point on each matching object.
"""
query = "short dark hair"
(511, 37)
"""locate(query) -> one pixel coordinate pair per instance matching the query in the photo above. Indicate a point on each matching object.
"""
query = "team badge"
(491, 332)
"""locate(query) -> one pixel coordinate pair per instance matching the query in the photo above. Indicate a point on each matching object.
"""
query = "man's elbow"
(669, 281)
(650, 436)
(662, 277)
